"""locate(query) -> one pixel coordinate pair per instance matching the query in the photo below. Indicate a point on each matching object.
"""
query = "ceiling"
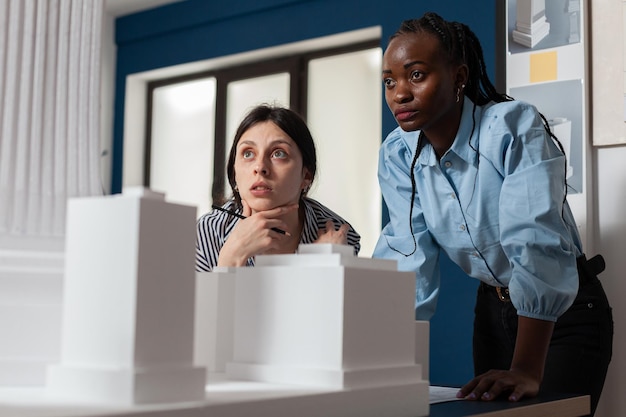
(124, 7)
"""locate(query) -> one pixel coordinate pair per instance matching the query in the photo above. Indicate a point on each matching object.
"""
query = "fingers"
(467, 388)
(272, 219)
(492, 384)
(344, 229)
(280, 211)
(517, 395)
(330, 227)
(330, 235)
(268, 219)
(481, 388)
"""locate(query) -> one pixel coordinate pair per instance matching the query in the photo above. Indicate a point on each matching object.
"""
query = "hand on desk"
(491, 384)
(527, 366)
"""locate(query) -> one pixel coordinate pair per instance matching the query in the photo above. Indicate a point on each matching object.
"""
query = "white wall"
(610, 237)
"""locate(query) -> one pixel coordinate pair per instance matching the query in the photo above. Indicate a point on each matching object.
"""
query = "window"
(192, 121)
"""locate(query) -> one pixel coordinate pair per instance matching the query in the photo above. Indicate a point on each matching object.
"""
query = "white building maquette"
(321, 331)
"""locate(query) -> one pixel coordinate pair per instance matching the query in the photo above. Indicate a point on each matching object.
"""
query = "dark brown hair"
(286, 119)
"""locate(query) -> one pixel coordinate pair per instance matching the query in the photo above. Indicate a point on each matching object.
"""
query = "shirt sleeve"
(210, 237)
(414, 251)
(536, 231)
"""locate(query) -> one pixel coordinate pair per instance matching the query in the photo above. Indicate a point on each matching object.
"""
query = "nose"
(401, 92)
(261, 168)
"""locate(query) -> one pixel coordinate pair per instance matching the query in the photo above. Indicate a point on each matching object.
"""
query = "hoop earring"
(458, 92)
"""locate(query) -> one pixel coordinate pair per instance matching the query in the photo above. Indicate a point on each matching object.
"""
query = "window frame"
(295, 64)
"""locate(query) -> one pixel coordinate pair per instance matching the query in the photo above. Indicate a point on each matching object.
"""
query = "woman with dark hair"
(478, 175)
(271, 167)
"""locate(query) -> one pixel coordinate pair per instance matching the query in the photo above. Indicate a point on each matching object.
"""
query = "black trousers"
(581, 345)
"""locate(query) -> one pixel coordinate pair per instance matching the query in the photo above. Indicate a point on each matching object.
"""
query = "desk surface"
(553, 405)
(31, 403)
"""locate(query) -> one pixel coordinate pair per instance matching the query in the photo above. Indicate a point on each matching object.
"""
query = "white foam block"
(331, 326)
(214, 320)
(129, 297)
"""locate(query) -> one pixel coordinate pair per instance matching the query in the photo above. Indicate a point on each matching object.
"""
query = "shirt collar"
(470, 125)
(460, 146)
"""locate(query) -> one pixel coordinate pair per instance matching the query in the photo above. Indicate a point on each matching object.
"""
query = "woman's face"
(420, 84)
(268, 168)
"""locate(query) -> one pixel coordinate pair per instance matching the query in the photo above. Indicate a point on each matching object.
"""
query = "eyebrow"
(272, 143)
(406, 66)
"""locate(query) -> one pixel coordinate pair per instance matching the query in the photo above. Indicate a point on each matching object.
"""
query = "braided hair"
(460, 46)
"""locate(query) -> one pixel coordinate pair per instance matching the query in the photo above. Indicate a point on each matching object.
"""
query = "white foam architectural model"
(214, 323)
(320, 332)
(127, 328)
(531, 25)
(321, 318)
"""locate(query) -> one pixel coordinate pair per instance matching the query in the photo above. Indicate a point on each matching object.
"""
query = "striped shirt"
(214, 228)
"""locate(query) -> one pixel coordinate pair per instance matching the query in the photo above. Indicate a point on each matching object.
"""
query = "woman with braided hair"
(478, 175)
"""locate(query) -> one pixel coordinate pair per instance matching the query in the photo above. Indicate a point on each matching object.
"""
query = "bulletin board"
(543, 62)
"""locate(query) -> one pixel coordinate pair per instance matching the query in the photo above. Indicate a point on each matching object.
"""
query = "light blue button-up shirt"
(494, 203)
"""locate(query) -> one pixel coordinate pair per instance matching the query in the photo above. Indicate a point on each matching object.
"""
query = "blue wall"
(195, 30)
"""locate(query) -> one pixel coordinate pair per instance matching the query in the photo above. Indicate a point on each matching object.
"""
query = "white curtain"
(49, 111)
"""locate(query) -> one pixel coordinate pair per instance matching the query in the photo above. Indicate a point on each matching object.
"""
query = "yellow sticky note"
(543, 66)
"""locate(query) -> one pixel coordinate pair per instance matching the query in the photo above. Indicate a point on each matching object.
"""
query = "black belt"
(588, 270)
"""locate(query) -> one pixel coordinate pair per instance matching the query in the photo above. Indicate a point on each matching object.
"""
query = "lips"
(403, 115)
(260, 186)
(260, 189)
